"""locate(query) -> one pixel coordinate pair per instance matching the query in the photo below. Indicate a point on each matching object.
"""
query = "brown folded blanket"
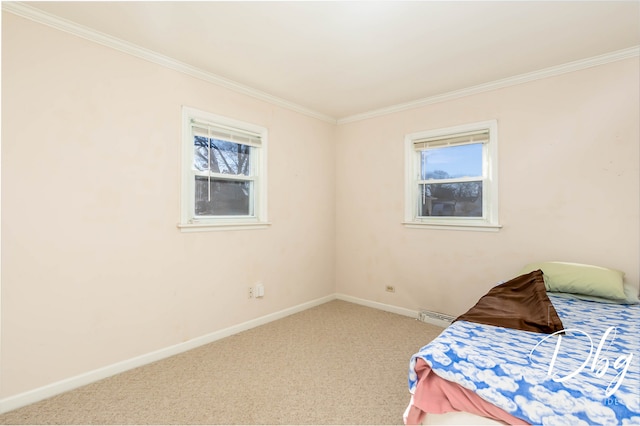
(521, 303)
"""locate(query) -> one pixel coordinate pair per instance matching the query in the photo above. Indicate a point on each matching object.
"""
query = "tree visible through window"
(219, 196)
(445, 185)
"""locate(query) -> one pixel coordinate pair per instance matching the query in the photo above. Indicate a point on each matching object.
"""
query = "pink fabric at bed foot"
(436, 395)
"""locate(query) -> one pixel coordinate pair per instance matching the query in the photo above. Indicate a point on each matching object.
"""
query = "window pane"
(451, 162)
(222, 197)
(451, 199)
(224, 157)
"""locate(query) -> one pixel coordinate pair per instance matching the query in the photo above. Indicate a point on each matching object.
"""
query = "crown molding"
(25, 11)
(37, 15)
(499, 84)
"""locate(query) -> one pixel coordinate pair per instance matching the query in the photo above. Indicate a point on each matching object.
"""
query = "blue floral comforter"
(588, 375)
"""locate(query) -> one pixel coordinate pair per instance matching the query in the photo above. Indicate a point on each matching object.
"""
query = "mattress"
(588, 373)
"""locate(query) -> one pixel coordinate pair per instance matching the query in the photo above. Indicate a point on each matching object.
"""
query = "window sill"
(482, 227)
(207, 227)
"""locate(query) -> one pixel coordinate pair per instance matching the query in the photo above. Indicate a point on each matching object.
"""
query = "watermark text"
(600, 363)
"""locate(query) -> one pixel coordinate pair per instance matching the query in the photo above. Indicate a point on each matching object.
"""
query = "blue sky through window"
(455, 161)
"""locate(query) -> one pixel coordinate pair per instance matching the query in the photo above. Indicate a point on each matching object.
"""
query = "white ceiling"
(343, 58)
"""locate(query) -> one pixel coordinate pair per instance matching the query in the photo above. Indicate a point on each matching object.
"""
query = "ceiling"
(343, 58)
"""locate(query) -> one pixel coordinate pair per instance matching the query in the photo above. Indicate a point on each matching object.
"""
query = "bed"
(559, 344)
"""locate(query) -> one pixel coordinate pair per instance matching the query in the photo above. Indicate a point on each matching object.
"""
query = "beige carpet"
(338, 363)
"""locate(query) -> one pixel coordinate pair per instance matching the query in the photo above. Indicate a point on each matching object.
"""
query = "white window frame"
(189, 222)
(489, 220)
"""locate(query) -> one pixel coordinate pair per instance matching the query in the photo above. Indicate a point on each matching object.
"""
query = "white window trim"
(188, 222)
(490, 166)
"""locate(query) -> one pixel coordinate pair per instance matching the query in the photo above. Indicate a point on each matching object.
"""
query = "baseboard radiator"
(432, 317)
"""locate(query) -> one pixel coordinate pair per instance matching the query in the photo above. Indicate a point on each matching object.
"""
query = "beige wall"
(94, 269)
(568, 180)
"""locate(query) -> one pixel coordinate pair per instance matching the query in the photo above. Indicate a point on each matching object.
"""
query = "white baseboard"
(377, 305)
(65, 385)
(391, 308)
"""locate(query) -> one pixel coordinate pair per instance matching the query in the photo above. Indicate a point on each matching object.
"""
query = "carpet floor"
(337, 363)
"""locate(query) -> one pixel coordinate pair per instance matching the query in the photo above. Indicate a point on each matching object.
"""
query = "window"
(223, 172)
(451, 177)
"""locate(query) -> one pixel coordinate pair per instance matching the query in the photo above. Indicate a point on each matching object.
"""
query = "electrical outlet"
(259, 290)
(250, 292)
(390, 289)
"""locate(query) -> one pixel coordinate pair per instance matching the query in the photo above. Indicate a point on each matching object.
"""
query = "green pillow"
(577, 278)
(630, 291)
